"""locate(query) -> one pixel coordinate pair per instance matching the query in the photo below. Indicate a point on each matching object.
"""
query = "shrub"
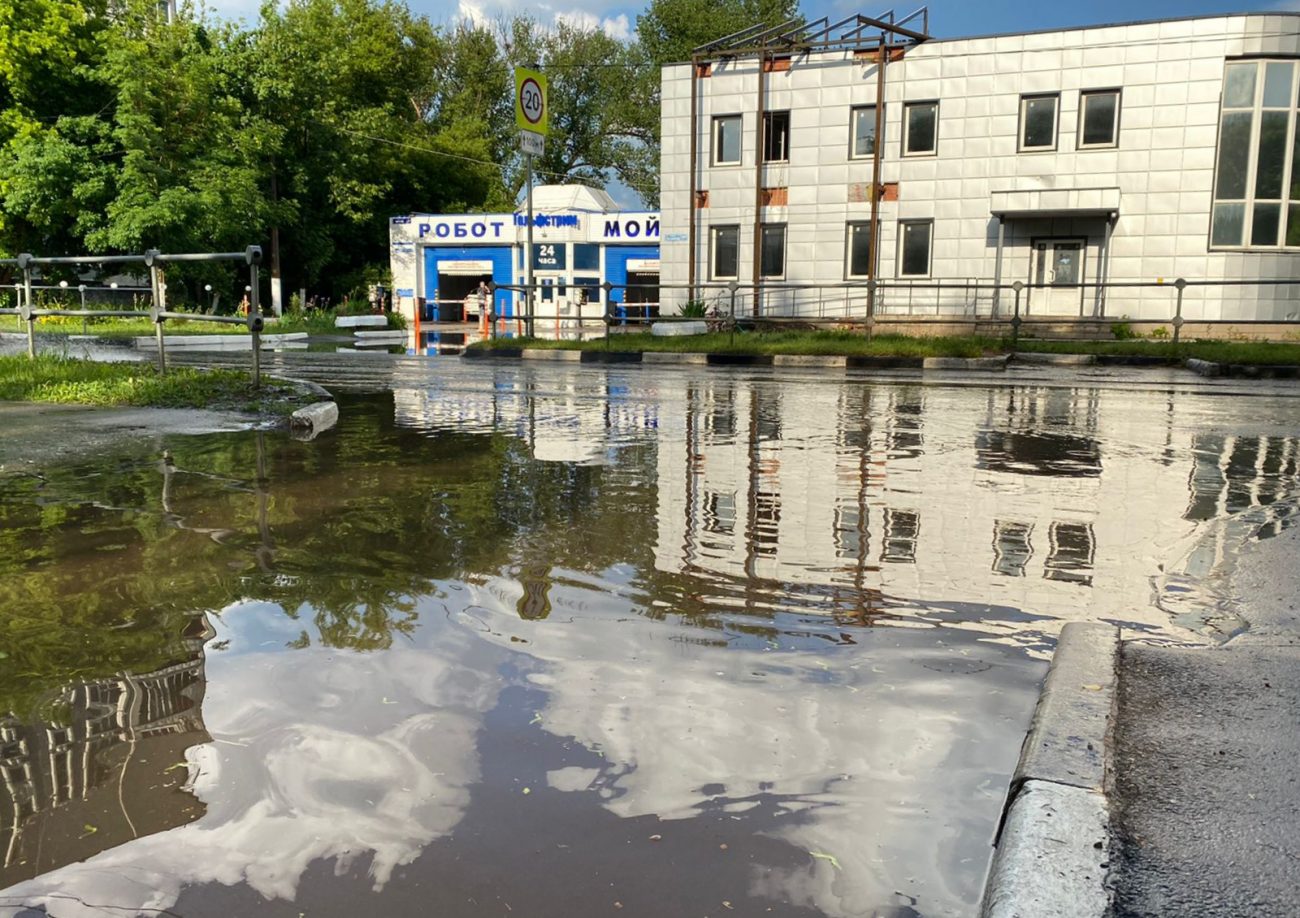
(693, 309)
(1123, 331)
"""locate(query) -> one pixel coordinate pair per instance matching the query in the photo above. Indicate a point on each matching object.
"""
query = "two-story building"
(803, 162)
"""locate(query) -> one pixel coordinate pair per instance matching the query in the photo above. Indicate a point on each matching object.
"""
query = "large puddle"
(581, 641)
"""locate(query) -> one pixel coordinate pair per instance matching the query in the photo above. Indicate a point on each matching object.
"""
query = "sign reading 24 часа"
(549, 256)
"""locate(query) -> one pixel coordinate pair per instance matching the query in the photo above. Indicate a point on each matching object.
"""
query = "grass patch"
(848, 343)
(118, 328)
(819, 343)
(67, 381)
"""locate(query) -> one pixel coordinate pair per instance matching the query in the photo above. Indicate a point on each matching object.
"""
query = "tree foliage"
(121, 131)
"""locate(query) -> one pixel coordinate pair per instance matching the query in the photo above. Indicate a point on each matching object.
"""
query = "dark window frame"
(848, 249)
(1025, 99)
(769, 118)
(762, 250)
(907, 130)
(714, 143)
(1118, 93)
(929, 246)
(713, 251)
(853, 134)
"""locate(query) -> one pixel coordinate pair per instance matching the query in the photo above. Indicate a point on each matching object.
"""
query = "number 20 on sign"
(532, 113)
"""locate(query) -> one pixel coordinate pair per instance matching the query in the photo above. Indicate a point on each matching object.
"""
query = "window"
(772, 245)
(726, 140)
(1255, 205)
(862, 119)
(1099, 118)
(914, 248)
(859, 249)
(1038, 122)
(902, 527)
(586, 256)
(920, 128)
(726, 252)
(776, 137)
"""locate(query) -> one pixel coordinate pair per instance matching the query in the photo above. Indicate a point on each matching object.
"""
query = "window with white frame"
(772, 250)
(776, 137)
(726, 140)
(914, 247)
(1256, 175)
(862, 144)
(1038, 122)
(859, 249)
(920, 128)
(1098, 118)
(725, 252)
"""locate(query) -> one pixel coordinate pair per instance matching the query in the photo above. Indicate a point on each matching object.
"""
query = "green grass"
(118, 328)
(847, 343)
(66, 381)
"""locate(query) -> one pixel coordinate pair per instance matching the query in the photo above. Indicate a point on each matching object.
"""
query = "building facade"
(581, 240)
(1065, 160)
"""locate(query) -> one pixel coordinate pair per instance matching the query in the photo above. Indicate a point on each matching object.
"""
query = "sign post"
(533, 115)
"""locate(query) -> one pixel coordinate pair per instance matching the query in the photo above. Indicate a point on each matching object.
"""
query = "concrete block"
(1055, 360)
(1204, 367)
(672, 329)
(965, 363)
(1052, 855)
(361, 322)
(314, 418)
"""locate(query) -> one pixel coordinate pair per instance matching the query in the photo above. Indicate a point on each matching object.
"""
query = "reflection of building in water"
(855, 499)
(579, 420)
(104, 765)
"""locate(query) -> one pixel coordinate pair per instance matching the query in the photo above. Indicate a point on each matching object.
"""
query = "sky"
(948, 18)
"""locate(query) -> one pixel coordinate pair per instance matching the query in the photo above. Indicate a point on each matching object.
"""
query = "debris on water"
(528, 790)
(90, 830)
(820, 855)
(656, 837)
(537, 719)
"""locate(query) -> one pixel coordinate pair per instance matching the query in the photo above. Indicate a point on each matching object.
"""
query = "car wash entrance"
(456, 282)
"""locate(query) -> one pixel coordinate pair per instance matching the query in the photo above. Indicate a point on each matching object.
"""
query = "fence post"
(609, 311)
(253, 256)
(1178, 308)
(731, 319)
(155, 307)
(25, 306)
(1015, 318)
(872, 286)
(490, 311)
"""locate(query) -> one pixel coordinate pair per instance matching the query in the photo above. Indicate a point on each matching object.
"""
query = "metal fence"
(28, 309)
(972, 305)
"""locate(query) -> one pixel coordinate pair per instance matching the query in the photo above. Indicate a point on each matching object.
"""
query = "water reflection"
(571, 638)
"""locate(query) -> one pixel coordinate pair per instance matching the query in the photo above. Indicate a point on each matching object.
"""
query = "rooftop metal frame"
(794, 36)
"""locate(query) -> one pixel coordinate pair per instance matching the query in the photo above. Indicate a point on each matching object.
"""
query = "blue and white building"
(581, 241)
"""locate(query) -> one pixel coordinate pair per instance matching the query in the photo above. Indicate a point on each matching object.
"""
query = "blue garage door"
(616, 259)
(502, 272)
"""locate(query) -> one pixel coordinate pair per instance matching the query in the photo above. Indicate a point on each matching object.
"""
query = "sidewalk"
(1199, 809)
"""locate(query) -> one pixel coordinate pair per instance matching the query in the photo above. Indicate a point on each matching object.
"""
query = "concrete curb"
(673, 358)
(1053, 847)
(808, 360)
(1204, 367)
(966, 363)
(1035, 358)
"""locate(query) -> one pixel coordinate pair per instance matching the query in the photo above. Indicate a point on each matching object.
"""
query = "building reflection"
(103, 763)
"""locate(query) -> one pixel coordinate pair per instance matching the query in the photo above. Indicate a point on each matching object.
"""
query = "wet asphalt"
(1206, 797)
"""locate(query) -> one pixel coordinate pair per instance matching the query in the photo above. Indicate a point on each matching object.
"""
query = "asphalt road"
(1206, 801)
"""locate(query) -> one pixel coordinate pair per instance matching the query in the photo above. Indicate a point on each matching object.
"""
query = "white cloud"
(616, 27)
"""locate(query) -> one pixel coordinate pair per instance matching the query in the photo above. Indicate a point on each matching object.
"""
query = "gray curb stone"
(1054, 844)
(965, 363)
(542, 353)
(314, 418)
(670, 357)
(1055, 360)
(1204, 367)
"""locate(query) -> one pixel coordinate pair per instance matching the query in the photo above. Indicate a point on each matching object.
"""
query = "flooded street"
(578, 640)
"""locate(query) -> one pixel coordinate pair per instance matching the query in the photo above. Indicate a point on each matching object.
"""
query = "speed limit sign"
(532, 113)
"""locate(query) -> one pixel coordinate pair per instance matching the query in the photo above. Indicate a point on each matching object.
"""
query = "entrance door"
(1057, 272)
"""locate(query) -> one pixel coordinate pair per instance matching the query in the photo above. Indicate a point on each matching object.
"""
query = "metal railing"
(1009, 308)
(28, 311)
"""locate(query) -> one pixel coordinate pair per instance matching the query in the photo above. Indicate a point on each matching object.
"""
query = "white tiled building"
(1122, 153)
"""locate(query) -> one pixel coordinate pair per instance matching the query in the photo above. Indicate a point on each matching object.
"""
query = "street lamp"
(207, 288)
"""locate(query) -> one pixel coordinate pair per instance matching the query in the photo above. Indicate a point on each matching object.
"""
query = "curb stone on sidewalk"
(1053, 847)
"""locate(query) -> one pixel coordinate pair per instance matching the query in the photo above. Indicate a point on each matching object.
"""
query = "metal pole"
(528, 249)
(997, 265)
(26, 308)
(1015, 318)
(1180, 284)
(255, 321)
(156, 307)
(759, 151)
(876, 186)
(733, 286)
(695, 140)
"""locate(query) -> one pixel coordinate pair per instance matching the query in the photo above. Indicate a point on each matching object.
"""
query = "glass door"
(1057, 272)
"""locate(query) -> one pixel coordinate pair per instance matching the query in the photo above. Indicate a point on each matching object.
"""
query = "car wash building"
(442, 263)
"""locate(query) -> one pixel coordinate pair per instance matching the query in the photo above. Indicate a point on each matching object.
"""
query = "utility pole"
(532, 115)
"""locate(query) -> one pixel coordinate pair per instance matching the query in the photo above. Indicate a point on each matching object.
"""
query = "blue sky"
(948, 18)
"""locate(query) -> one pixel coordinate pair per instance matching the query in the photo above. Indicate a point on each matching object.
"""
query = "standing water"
(554, 641)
